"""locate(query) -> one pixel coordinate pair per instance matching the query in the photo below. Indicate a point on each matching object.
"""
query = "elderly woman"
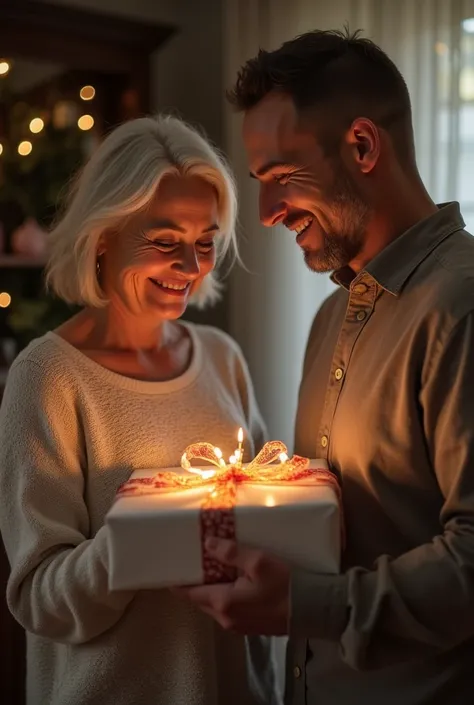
(124, 384)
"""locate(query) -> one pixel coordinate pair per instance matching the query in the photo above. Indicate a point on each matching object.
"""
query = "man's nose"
(272, 210)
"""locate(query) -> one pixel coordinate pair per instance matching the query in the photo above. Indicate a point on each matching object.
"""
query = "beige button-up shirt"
(387, 396)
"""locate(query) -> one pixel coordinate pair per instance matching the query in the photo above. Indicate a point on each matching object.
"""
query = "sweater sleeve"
(422, 602)
(58, 586)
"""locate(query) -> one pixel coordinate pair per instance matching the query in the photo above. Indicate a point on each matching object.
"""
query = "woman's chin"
(168, 311)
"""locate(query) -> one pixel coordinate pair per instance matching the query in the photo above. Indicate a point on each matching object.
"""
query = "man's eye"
(281, 178)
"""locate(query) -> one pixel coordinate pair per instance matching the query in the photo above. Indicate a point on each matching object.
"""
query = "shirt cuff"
(318, 605)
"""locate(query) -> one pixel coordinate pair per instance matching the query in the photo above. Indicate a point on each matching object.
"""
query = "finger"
(207, 596)
(232, 554)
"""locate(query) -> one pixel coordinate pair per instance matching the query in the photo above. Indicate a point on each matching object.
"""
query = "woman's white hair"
(120, 180)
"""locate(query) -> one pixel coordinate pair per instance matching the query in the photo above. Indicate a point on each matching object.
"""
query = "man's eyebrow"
(269, 166)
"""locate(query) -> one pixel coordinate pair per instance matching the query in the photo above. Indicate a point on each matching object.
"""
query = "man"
(387, 394)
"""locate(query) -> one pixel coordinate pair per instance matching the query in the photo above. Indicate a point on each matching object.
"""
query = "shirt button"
(360, 289)
(361, 315)
(324, 441)
(297, 671)
(338, 374)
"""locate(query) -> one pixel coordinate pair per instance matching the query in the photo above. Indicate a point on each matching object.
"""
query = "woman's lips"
(178, 289)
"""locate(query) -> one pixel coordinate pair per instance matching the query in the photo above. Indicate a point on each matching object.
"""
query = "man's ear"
(362, 145)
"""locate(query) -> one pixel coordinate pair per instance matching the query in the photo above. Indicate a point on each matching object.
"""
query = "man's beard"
(342, 246)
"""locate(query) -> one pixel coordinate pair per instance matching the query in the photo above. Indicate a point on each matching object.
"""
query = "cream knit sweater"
(70, 433)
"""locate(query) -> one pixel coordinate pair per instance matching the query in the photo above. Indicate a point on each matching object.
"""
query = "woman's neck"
(110, 329)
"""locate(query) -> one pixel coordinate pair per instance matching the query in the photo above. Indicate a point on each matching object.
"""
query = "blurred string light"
(441, 48)
(1, 148)
(5, 299)
(24, 148)
(36, 125)
(85, 122)
(4, 67)
(87, 92)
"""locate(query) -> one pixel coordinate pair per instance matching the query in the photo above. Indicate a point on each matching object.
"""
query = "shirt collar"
(393, 266)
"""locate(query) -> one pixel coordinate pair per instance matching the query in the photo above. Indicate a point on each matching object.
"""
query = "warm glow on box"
(205, 474)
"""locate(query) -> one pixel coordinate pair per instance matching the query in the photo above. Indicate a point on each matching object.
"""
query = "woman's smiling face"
(161, 257)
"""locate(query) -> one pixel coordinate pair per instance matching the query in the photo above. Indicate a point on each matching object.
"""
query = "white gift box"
(155, 539)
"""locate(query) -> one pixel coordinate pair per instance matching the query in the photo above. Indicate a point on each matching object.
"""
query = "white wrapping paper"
(155, 540)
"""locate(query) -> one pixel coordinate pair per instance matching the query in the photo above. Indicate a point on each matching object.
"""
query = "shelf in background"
(21, 261)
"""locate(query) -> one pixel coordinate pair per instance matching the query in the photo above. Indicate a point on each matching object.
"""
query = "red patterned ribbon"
(217, 516)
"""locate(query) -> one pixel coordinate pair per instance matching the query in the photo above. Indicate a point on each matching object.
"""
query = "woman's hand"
(257, 602)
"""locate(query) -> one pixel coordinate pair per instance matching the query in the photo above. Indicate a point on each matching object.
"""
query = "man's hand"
(257, 602)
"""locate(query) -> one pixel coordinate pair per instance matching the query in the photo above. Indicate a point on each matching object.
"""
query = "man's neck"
(393, 217)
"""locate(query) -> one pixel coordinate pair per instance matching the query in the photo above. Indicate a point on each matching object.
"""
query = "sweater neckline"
(138, 385)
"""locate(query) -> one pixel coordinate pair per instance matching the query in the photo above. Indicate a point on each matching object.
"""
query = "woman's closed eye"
(203, 246)
(164, 245)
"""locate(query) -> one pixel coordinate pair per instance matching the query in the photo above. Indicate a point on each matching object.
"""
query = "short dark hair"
(337, 72)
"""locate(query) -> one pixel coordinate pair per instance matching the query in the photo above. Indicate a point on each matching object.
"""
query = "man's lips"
(300, 227)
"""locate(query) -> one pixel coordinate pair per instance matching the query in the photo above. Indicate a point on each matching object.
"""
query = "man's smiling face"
(311, 193)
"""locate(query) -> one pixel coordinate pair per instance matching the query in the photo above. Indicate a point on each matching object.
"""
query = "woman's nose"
(188, 262)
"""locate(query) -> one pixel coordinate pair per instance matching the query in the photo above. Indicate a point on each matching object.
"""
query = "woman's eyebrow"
(165, 224)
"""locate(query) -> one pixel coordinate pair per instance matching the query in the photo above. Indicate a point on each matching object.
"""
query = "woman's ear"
(101, 247)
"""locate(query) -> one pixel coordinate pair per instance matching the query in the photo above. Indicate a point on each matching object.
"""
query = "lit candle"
(283, 457)
(240, 438)
(232, 459)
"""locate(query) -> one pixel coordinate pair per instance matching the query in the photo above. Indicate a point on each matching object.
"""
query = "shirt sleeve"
(58, 586)
(422, 602)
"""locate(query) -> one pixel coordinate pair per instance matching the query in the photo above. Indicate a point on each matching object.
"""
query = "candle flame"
(283, 457)
(218, 453)
(240, 435)
(232, 459)
(270, 501)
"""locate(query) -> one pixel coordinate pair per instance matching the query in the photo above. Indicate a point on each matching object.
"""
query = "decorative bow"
(258, 471)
